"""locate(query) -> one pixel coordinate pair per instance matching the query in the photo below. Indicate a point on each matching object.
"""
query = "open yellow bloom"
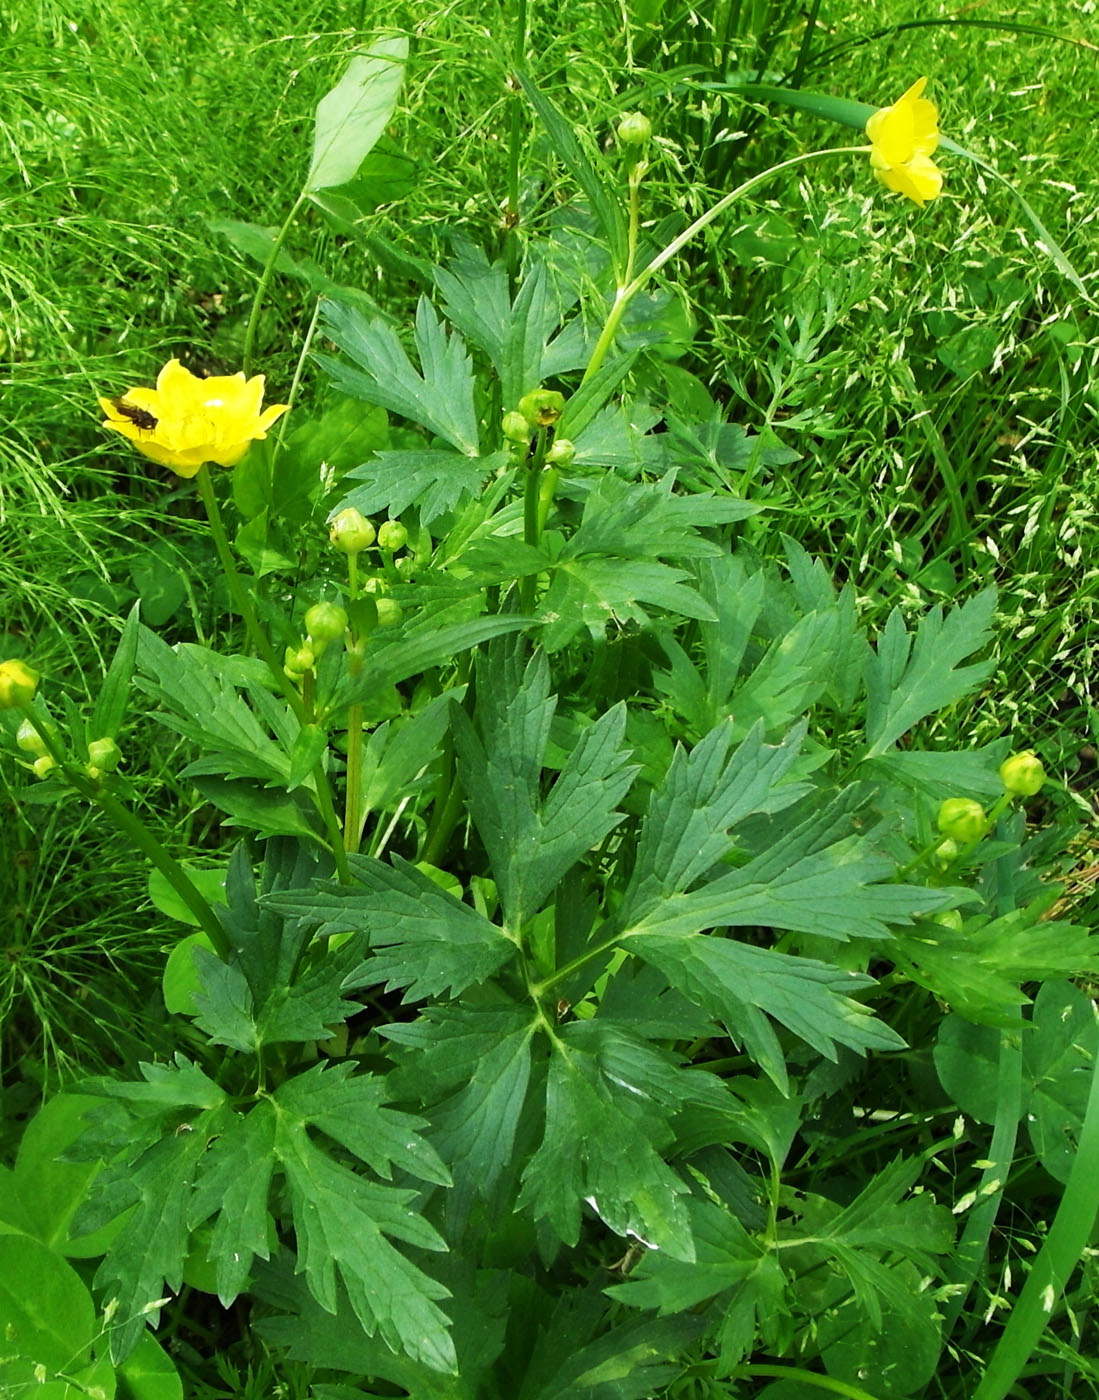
(902, 140)
(186, 421)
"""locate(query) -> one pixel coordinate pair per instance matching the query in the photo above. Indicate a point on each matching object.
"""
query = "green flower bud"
(390, 612)
(542, 407)
(325, 622)
(351, 531)
(946, 852)
(1022, 774)
(44, 766)
(516, 427)
(962, 819)
(29, 739)
(17, 685)
(104, 754)
(297, 661)
(561, 453)
(392, 536)
(634, 129)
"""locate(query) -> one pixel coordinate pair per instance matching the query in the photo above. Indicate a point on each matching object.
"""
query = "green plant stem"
(352, 825)
(626, 293)
(322, 794)
(533, 514)
(325, 806)
(515, 138)
(546, 492)
(279, 441)
(444, 814)
(447, 805)
(1065, 1243)
(918, 859)
(256, 634)
(139, 835)
(308, 697)
(352, 829)
(637, 174)
(813, 1378)
(264, 282)
(563, 973)
(135, 829)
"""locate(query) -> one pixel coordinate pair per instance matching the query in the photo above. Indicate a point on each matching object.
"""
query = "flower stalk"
(352, 822)
(257, 636)
(626, 292)
(265, 281)
(138, 833)
(321, 791)
(533, 513)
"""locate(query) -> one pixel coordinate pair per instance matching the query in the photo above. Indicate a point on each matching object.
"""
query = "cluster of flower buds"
(17, 686)
(963, 822)
(352, 532)
(539, 411)
(325, 623)
(297, 661)
(104, 756)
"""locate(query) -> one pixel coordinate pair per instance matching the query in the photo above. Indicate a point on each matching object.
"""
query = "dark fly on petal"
(140, 417)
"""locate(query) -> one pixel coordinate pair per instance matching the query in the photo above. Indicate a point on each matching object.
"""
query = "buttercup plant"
(581, 853)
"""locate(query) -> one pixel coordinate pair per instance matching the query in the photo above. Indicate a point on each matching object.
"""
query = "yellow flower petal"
(271, 415)
(193, 420)
(902, 140)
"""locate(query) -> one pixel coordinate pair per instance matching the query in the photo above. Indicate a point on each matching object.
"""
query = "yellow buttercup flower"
(186, 421)
(903, 139)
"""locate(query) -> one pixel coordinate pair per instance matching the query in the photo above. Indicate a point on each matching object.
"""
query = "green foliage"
(542, 1077)
(1059, 1046)
(439, 395)
(352, 117)
(55, 1343)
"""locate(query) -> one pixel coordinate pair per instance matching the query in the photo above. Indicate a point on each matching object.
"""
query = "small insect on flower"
(139, 417)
